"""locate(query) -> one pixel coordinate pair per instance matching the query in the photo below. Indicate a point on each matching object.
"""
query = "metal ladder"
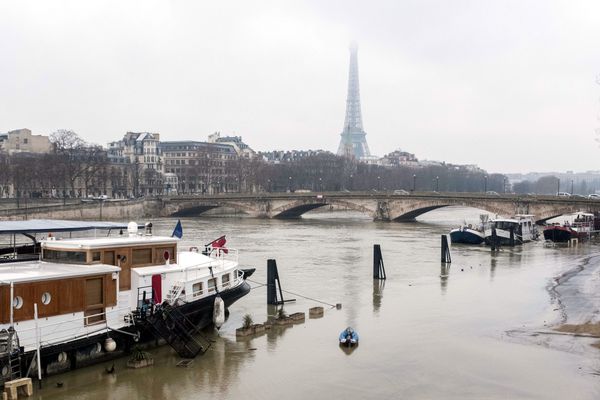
(178, 331)
(174, 292)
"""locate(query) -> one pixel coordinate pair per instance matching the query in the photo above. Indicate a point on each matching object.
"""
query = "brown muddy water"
(477, 333)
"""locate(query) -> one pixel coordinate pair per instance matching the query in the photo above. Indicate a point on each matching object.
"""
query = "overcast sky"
(508, 85)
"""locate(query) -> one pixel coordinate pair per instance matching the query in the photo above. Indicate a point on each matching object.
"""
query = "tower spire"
(353, 142)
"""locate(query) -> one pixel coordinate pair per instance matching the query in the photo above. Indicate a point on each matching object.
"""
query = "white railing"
(224, 254)
(75, 328)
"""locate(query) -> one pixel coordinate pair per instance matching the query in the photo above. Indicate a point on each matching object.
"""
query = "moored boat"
(581, 228)
(508, 231)
(469, 234)
(88, 300)
(348, 337)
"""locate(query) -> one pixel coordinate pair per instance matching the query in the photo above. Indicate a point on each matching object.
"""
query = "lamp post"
(504, 185)
(290, 184)
(571, 187)
(378, 182)
(414, 182)
(437, 183)
(558, 186)
(269, 185)
(351, 182)
(320, 184)
(485, 184)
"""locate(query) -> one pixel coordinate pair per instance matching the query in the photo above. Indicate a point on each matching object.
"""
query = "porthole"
(46, 298)
(17, 302)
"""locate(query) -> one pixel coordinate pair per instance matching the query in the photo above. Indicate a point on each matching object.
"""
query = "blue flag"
(178, 231)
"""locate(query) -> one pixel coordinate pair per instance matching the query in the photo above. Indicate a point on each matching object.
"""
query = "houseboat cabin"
(82, 291)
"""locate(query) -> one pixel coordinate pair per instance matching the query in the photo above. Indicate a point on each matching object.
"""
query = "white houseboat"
(90, 299)
(517, 230)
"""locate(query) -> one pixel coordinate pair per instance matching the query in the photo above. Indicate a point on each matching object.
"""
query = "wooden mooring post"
(495, 242)
(378, 268)
(274, 285)
(446, 258)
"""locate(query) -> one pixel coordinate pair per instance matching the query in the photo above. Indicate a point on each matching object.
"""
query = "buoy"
(110, 345)
(219, 312)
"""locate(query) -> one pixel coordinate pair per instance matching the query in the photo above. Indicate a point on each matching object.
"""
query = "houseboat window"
(197, 289)
(225, 280)
(46, 298)
(17, 302)
(141, 256)
(212, 283)
(96, 256)
(70, 257)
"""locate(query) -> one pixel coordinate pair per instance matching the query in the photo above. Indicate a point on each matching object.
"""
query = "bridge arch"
(408, 211)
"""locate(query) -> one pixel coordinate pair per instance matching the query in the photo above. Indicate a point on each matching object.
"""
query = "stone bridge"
(381, 206)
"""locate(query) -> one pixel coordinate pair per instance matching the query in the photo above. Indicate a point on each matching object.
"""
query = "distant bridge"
(380, 206)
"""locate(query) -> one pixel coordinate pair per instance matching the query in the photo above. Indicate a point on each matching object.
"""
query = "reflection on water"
(378, 286)
(444, 275)
(426, 341)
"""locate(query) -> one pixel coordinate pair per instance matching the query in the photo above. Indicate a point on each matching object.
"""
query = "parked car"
(401, 192)
(578, 196)
(594, 196)
(563, 194)
(492, 193)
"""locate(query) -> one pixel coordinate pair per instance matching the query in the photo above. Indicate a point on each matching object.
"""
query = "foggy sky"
(508, 85)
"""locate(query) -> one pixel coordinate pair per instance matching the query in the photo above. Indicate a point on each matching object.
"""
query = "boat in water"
(87, 300)
(469, 234)
(582, 227)
(511, 231)
(348, 337)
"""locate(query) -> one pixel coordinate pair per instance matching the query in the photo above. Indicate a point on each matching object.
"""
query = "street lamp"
(414, 182)
(571, 187)
(290, 184)
(351, 182)
(558, 186)
(437, 183)
(485, 183)
(504, 184)
(378, 182)
(321, 184)
(269, 184)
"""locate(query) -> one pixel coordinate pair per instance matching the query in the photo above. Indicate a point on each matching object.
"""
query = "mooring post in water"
(494, 240)
(274, 284)
(512, 236)
(446, 258)
(378, 268)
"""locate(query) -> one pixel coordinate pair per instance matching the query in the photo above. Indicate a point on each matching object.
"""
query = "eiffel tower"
(353, 142)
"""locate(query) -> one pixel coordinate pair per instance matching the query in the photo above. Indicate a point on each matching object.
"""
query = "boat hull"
(466, 235)
(90, 350)
(559, 234)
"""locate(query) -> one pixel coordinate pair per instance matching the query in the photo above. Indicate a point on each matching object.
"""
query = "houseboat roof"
(41, 271)
(54, 225)
(505, 220)
(117, 241)
(188, 261)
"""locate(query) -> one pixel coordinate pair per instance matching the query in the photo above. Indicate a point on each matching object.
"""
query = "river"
(473, 333)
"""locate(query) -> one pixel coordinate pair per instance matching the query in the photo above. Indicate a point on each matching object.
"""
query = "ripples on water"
(424, 333)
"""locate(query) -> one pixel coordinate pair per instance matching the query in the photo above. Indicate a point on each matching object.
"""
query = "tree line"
(76, 168)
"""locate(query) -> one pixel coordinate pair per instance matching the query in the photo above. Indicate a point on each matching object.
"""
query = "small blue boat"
(466, 234)
(349, 337)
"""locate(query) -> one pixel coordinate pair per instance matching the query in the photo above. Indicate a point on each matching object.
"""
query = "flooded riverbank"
(424, 334)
